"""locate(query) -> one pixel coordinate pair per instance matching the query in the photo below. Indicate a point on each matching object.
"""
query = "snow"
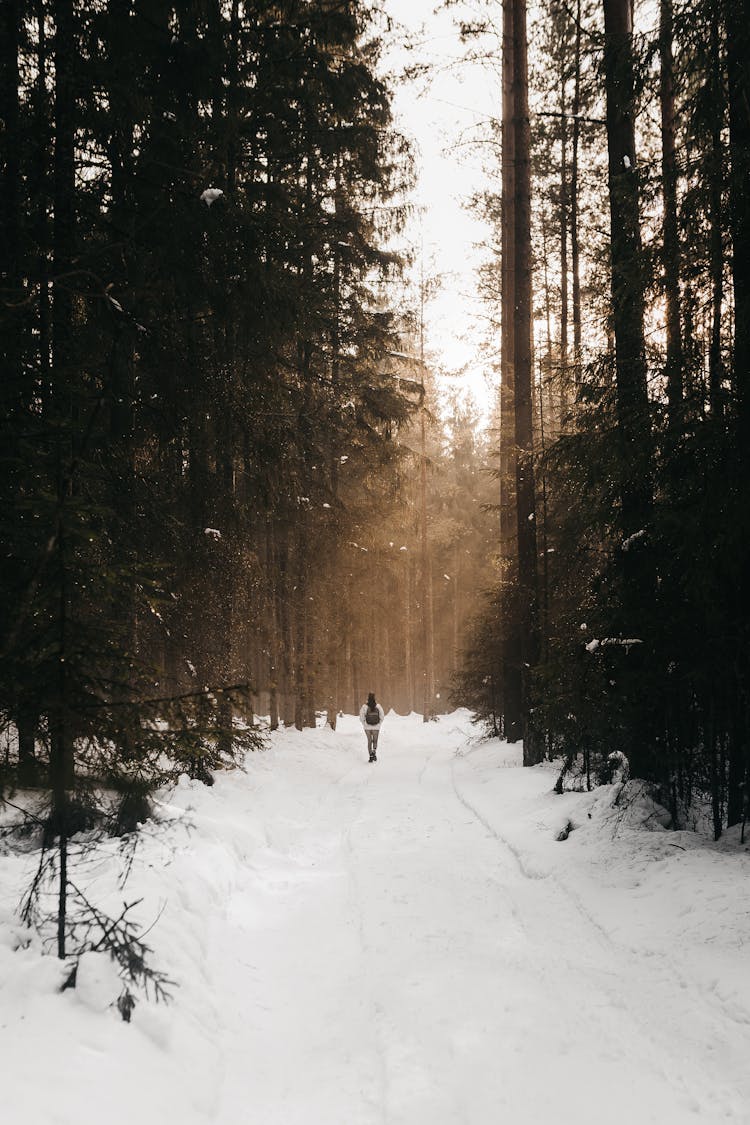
(613, 642)
(432, 940)
(98, 983)
(631, 539)
(210, 195)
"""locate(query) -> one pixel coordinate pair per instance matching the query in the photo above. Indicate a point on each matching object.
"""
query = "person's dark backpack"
(372, 716)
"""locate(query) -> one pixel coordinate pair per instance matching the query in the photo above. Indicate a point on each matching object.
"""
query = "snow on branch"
(210, 195)
(620, 642)
(631, 539)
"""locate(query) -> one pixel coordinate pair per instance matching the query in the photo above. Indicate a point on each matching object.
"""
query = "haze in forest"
(360, 361)
(445, 111)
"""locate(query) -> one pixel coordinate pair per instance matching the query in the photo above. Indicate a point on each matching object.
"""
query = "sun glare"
(441, 114)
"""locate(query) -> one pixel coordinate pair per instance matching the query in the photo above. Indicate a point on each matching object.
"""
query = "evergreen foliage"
(197, 201)
(639, 443)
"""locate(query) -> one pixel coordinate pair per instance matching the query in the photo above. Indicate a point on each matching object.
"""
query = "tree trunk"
(523, 380)
(575, 251)
(408, 636)
(10, 150)
(27, 723)
(428, 683)
(671, 245)
(41, 194)
(121, 383)
(273, 627)
(716, 370)
(562, 380)
(633, 423)
(64, 191)
(738, 53)
(61, 734)
(627, 296)
(510, 673)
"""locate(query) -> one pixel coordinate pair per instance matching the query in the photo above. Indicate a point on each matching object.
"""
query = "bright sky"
(441, 114)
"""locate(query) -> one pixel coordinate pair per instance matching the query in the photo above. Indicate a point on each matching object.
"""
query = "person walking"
(371, 716)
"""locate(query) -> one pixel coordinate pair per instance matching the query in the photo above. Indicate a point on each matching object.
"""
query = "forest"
(618, 620)
(233, 497)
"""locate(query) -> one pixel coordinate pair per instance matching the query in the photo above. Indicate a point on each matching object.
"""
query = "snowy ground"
(404, 943)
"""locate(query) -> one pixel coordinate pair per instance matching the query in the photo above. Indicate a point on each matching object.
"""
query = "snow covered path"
(408, 944)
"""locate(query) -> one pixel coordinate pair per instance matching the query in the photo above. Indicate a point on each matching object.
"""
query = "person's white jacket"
(363, 720)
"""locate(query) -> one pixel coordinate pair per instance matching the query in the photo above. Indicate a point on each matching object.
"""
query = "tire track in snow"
(621, 949)
(533, 876)
(526, 872)
(423, 878)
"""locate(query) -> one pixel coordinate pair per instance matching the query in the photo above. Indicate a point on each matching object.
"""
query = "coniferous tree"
(196, 340)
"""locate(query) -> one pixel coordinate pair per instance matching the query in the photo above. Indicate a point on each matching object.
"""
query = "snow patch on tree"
(210, 195)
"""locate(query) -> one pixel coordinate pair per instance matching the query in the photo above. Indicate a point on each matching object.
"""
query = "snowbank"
(435, 939)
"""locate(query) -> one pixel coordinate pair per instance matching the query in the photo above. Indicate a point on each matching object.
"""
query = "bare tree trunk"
(562, 380)
(428, 681)
(510, 673)
(17, 390)
(351, 682)
(41, 192)
(272, 612)
(671, 245)
(738, 53)
(457, 576)
(428, 629)
(121, 385)
(333, 641)
(523, 373)
(408, 637)
(300, 649)
(310, 684)
(546, 409)
(716, 370)
(10, 152)
(61, 734)
(544, 637)
(285, 618)
(575, 252)
(27, 723)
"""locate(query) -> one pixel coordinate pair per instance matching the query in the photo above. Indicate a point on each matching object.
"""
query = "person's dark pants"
(372, 740)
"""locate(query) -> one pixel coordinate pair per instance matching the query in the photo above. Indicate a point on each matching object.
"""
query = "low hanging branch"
(203, 693)
(122, 939)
